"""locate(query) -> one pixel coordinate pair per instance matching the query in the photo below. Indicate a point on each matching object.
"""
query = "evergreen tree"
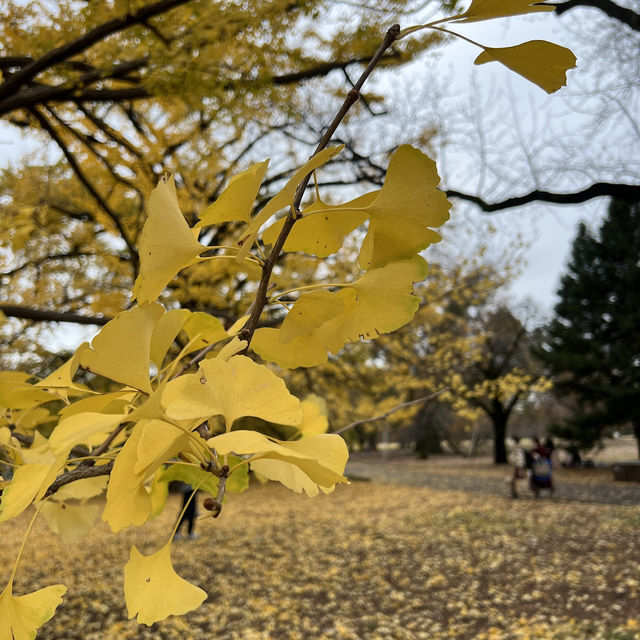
(592, 346)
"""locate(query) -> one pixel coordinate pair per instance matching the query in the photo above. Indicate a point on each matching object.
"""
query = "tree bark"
(499, 419)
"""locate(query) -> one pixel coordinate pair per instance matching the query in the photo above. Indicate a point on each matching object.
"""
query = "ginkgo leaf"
(399, 214)
(165, 332)
(287, 474)
(22, 616)
(314, 416)
(406, 206)
(79, 428)
(323, 227)
(114, 402)
(232, 388)
(62, 377)
(236, 201)
(312, 310)
(284, 198)
(167, 244)
(379, 302)
(29, 484)
(128, 501)
(321, 458)
(153, 590)
(158, 442)
(121, 351)
(82, 489)
(541, 62)
(71, 521)
(206, 327)
(489, 9)
(22, 395)
(233, 347)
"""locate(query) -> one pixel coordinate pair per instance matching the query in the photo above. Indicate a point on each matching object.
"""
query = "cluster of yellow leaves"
(156, 414)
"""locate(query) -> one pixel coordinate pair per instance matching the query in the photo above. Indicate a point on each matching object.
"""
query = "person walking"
(189, 514)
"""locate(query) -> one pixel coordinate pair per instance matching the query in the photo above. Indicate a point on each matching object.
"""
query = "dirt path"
(590, 486)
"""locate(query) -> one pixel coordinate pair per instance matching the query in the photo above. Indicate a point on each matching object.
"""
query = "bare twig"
(402, 405)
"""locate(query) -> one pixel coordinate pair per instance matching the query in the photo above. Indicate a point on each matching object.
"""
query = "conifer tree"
(592, 345)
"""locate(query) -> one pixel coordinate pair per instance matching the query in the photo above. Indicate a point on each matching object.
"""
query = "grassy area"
(366, 562)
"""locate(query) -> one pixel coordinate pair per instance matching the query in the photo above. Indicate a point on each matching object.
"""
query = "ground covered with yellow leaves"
(369, 561)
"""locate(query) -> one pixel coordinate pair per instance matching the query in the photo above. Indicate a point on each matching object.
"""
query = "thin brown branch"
(352, 96)
(43, 315)
(402, 405)
(78, 474)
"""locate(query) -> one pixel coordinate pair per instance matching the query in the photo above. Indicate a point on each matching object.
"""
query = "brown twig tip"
(394, 30)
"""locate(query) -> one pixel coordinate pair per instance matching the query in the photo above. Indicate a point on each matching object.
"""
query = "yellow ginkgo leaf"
(128, 501)
(158, 442)
(322, 230)
(541, 62)
(284, 198)
(236, 201)
(165, 332)
(29, 484)
(82, 489)
(399, 214)
(167, 244)
(121, 351)
(153, 590)
(72, 521)
(22, 616)
(114, 402)
(379, 302)
(207, 328)
(17, 395)
(312, 310)
(385, 300)
(233, 347)
(232, 388)
(321, 458)
(62, 377)
(287, 474)
(314, 416)
(406, 206)
(79, 428)
(489, 9)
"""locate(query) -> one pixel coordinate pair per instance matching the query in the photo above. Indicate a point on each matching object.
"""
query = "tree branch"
(87, 183)
(84, 42)
(613, 10)
(352, 96)
(402, 405)
(78, 474)
(626, 192)
(41, 315)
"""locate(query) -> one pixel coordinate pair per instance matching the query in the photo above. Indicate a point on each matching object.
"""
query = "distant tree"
(592, 346)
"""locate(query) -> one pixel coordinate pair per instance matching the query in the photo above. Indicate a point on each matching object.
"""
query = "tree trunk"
(636, 433)
(499, 419)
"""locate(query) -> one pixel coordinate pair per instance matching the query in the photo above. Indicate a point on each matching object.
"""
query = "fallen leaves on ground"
(367, 562)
